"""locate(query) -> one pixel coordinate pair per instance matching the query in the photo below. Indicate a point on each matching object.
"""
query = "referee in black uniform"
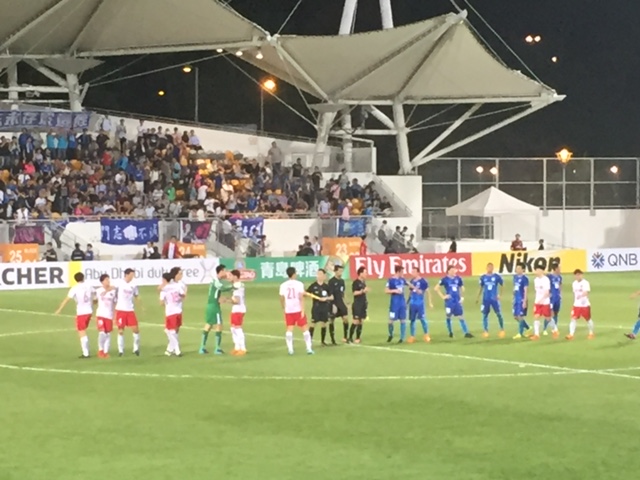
(360, 304)
(339, 308)
(321, 306)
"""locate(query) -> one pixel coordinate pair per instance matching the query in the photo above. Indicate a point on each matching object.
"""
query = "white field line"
(416, 352)
(278, 378)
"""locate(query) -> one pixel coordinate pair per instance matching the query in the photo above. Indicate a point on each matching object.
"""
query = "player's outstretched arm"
(62, 305)
(430, 298)
(479, 293)
(439, 292)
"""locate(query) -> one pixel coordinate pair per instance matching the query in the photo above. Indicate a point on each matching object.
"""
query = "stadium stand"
(163, 173)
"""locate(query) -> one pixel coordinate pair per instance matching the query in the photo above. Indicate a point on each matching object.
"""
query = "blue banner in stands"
(128, 231)
(45, 120)
(355, 227)
(250, 227)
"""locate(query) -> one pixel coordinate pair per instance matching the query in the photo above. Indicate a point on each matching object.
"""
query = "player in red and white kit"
(542, 304)
(292, 293)
(172, 295)
(82, 293)
(581, 305)
(106, 299)
(126, 293)
(238, 310)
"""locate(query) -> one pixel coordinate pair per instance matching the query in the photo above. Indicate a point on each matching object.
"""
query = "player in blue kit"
(636, 328)
(490, 284)
(520, 291)
(556, 294)
(452, 296)
(418, 287)
(397, 304)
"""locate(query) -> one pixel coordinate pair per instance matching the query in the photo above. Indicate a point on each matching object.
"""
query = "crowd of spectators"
(156, 172)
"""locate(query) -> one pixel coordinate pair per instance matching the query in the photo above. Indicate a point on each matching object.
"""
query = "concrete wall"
(605, 228)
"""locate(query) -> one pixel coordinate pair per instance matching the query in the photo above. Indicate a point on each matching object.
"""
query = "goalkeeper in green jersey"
(213, 314)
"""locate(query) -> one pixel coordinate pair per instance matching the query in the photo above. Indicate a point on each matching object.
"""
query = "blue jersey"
(556, 286)
(395, 283)
(520, 284)
(452, 287)
(397, 305)
(489, 284)
(417, 298)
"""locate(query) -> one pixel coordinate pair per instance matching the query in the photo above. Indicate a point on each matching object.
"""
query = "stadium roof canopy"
(49, 28)
(439, 60)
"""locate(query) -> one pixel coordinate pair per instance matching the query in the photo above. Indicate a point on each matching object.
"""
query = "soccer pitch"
(453, 409)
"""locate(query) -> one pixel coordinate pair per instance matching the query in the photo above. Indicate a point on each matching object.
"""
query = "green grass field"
(479, 409)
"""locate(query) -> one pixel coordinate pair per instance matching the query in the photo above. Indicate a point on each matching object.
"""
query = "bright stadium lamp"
(564, 157)
(268, 85)
(186, 69)
(614, 169)
(479, 169)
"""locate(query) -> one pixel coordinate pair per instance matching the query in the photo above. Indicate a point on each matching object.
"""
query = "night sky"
(595, 42)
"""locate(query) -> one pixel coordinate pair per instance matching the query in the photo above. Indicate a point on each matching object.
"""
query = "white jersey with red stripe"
(238, 295)
(542, 287)
(106, 302)
(82, 293)
(172, 295)
(581, 291)
(126, 293)
(292, 291)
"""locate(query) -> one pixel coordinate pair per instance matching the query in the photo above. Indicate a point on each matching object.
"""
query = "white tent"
(495, 203)
(492, 203)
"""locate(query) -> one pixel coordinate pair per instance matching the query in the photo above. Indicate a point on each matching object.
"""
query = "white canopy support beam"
(369, 132)
(325, 120)
(347, 141)
(402, 138)
(381, 117)
(12, 81)
(291, 61)
(450, 129)
(387, 14)
(73, 89)
(348, 17)
(229, 46)
(534, 107)
(31, 24)
(47, 72)
(30, 88)
(548, 99)
(83, 93)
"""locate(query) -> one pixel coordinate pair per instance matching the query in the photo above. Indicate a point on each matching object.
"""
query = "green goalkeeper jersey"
(215, 289)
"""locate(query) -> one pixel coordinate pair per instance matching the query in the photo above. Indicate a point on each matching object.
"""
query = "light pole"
(564, 156)
(196, 78)
(268, 85)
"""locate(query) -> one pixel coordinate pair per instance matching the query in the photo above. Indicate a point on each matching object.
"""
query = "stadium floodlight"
(186, 69)
(259, 55)
(479, 169)
(564, 156)
(554, 59)
(266, 85)
(161, 93)
(239, 53)
(493, 171)
(614, 169)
